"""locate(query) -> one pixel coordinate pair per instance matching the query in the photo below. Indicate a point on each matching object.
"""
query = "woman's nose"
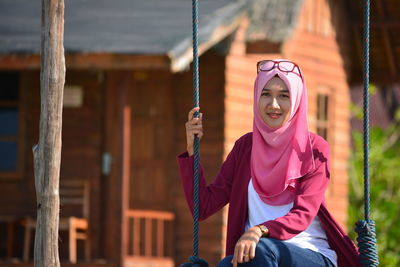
(274, 103)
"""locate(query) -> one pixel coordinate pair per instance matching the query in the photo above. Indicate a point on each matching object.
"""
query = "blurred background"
(127, 93)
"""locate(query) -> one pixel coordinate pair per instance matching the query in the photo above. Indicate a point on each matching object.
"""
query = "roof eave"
(224, 24)
(100, 61)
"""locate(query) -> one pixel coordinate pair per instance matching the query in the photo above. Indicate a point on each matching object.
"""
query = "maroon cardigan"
(231, 186)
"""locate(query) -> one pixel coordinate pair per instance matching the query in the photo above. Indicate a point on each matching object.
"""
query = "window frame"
(320, 123)
(18, 173)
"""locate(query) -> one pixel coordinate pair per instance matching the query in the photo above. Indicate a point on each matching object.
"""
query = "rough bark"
(47, 153)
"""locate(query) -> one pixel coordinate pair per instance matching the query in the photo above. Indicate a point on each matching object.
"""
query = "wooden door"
(152, 140)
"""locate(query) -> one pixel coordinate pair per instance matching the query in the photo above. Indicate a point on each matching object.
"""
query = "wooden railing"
(149, 235)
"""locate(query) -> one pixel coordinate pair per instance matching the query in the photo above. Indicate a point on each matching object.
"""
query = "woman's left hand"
(245, 249)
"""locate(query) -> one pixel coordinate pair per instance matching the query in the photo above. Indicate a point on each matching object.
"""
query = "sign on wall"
(73, 96)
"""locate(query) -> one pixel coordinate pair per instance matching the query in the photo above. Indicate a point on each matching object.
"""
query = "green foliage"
(357, 111)
(372, 89)
(385, 189)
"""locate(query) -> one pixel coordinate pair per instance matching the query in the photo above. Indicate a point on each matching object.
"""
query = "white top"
(313, 237)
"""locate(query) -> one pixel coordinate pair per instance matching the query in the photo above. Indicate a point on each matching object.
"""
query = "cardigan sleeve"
(213, 196)
(310, 194)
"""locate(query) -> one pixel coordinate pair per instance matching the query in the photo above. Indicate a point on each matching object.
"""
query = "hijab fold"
(281, 155)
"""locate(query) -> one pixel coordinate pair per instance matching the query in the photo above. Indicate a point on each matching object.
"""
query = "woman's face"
(274, 103)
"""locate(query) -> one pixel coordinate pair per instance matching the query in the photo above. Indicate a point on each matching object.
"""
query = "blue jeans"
(272, 252)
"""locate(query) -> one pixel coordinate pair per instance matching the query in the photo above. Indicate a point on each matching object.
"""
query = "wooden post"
(47, 153)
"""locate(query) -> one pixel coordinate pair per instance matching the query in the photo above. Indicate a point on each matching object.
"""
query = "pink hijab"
(280, 156)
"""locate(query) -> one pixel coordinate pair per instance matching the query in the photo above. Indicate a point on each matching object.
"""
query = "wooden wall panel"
(81, 148)
(240, 74)
(152, 139)
(212, 80)
(116, 86)
(82, 143)
(315, 47)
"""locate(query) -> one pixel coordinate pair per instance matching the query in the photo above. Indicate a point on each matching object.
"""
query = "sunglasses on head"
(284, 66)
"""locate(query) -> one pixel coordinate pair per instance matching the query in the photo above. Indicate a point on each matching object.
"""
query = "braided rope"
(195, 260)
(367, 243)
(195, 18)
(366, 228)
(366, 110)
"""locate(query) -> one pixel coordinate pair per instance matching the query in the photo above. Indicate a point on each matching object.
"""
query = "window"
(322, 115)
(9, 123)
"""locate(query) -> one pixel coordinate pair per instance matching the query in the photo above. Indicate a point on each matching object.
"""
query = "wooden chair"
(9, 221)
(147, 236)
(72, 193)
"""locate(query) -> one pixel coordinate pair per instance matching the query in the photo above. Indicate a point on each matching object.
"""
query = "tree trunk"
(47, 153)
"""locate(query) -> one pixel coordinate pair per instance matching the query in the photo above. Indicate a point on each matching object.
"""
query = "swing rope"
(195, 260)
(366, 228)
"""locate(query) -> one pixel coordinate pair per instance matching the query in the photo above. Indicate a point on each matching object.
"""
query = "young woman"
(275, 180)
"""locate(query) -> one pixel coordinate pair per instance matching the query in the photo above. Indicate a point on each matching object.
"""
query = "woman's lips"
(274, 116)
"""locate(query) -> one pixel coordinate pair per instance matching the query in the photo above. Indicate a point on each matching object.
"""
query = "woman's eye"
(285, 96)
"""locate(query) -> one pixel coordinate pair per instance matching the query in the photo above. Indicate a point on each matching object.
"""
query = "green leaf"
(384, 162)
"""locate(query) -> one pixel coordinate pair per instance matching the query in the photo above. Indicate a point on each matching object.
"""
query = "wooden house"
(127, 93)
